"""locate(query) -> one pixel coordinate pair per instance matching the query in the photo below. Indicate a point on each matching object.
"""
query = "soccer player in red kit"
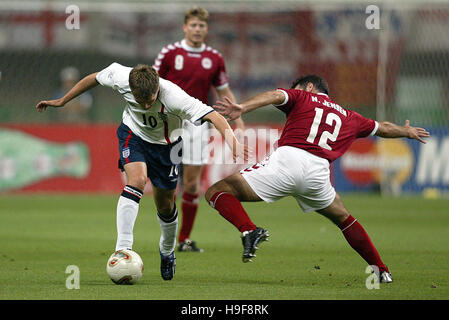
(317, 131)
(196, 68)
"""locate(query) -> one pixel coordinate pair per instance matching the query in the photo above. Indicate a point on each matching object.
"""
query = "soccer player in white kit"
(196, 68)
(150, 145)
(317, 131)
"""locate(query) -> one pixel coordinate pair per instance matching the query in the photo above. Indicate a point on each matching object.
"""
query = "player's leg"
(336, 212)
(163, 174)
(191, 183)
(356, 236)
(128, 203)
(168, 220)
(195, 155)
(132, 161)
(225, 197)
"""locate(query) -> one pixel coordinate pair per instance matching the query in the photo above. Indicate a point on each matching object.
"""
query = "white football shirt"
(161, 123)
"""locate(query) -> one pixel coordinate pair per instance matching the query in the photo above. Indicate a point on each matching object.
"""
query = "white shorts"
(290, 171)
(195, 150)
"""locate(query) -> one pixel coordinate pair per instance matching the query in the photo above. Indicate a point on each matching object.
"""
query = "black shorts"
(162, 160)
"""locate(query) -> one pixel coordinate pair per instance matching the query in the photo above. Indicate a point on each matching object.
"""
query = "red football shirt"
(195, 70)
(318, 125)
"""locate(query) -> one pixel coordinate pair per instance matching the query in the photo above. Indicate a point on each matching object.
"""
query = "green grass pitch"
(307, 257)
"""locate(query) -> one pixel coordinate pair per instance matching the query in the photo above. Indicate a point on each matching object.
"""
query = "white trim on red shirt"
(285, 100)
(376, 126)
(186, 47)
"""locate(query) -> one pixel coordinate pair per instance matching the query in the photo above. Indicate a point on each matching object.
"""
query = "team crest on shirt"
(162, 116)
(126, 152)
(206, 63)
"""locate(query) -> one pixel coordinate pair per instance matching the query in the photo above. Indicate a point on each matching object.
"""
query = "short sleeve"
(291, 97)
(113, 75)
(366, 127)
(221, 79)
(179, 102)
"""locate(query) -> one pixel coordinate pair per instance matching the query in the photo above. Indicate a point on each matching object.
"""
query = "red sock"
(189, 207)
(360, 242)
(231, 209)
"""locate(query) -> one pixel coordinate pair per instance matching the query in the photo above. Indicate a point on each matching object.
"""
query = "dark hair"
(319, 83)
(143, 81)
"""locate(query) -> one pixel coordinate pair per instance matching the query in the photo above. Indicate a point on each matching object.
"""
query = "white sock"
(169, 230)
(127, 209)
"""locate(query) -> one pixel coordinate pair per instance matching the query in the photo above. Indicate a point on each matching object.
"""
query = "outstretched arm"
(82, 86)
(239, 124)
(220, 123)
(390, 130)
(226, 92)
(233, 110)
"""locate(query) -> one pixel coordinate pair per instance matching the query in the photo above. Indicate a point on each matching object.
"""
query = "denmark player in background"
(317, 131)
(196, 68)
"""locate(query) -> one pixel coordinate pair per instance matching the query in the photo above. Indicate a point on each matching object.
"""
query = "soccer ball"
(124, 267)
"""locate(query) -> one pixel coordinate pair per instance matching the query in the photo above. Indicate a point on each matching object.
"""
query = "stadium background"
(59, 183)
(393, 73)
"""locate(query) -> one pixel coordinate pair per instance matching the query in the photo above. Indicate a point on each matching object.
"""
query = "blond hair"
(197, 12)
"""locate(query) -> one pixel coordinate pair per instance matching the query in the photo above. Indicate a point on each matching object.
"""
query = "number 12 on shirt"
(325, 135)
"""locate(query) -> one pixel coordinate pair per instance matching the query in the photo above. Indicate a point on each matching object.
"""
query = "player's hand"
(416, 133)
(228, 109)
(42, 105)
